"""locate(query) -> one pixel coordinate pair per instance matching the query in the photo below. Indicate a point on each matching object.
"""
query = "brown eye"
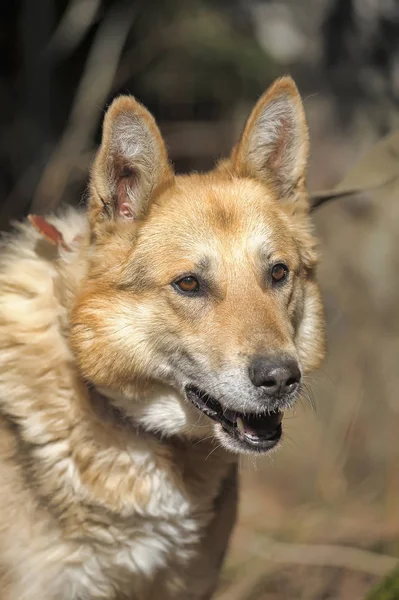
(279, 272)
(188, 284)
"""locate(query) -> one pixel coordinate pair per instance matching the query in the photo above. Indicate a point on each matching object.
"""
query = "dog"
(145, 344)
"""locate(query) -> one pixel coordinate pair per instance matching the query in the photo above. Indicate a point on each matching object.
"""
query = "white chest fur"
(152, 540)
(132, 559)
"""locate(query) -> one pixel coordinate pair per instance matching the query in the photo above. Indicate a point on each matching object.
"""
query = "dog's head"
(203, 283)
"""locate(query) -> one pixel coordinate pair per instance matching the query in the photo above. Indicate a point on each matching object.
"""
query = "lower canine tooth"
(240, 424)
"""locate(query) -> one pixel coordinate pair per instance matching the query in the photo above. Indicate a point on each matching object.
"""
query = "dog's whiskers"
(213, 450)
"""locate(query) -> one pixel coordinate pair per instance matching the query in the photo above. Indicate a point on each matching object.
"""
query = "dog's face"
(204, 283)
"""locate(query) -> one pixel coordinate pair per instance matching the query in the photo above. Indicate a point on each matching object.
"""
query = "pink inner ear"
(124, 204)
(126, 210)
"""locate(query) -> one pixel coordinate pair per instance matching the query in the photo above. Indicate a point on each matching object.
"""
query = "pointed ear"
(274, 145)
(130, 165)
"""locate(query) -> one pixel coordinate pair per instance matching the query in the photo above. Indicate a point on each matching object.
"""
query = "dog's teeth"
(240, 425)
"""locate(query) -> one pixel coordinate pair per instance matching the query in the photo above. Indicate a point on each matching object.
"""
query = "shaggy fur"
(113, 485)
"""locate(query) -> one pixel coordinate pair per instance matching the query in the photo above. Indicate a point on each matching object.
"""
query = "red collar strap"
(49, 231)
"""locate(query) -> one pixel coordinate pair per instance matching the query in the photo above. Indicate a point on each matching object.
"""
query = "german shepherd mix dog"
(143, 347)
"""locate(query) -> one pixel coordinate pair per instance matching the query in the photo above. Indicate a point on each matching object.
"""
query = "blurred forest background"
(318, 520)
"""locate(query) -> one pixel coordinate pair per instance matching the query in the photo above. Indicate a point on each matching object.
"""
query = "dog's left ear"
(130, 165)
(274, 145)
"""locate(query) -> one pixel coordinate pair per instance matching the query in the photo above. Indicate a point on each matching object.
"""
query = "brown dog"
(155, 340)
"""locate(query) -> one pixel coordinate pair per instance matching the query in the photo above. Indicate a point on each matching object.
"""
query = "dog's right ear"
(130, 165)
(274, 145)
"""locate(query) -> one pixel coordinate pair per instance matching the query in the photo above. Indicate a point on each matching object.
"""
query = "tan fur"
(113, 485)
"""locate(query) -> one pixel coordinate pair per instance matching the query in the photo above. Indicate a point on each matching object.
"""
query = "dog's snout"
(277, 376)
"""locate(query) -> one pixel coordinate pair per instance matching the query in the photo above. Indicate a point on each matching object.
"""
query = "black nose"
(277, 375)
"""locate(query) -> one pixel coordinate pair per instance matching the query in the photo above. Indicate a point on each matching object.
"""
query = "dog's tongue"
(245, 428)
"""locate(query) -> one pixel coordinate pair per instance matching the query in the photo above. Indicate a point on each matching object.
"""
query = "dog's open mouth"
(259, 432)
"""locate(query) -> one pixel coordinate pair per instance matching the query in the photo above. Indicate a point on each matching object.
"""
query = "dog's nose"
(277, 376)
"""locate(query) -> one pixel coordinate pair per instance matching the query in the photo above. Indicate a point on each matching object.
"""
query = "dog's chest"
(126, 560)
(122, 555)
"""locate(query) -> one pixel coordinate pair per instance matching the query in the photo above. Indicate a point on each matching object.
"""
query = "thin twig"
(326, 555)
(77, 19)
(319, 198)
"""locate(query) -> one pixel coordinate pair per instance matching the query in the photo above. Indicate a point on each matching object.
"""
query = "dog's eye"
(279, 272)
(189, 284)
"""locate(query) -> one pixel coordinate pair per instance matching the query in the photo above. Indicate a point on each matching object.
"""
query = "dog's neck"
(196, 468)
(105, 409)
(102, 402)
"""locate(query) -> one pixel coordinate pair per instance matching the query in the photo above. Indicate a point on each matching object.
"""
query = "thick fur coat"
(117, 481)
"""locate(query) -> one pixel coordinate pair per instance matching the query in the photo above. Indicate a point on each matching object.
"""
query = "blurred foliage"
(188, 60)
(65, 60)
(388, 589)
(361, 49)
(200, 52)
